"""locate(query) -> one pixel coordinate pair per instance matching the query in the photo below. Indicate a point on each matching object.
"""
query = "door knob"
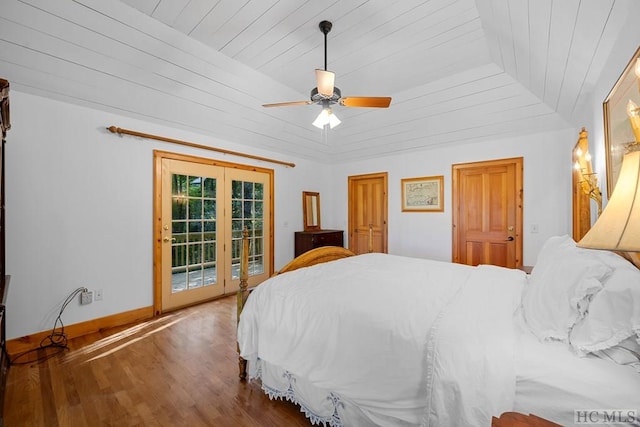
(510, 239)
(167, 239)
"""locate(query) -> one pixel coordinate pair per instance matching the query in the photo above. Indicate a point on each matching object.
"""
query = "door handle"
(509, 239)
(166, 239)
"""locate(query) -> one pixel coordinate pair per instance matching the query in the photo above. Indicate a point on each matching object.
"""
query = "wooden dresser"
(307, 240)
(4, 277)
(4, 356)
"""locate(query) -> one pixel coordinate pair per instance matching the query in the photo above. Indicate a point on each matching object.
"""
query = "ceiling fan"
(326, 93)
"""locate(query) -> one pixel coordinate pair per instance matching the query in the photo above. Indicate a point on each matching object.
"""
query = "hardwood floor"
(176, 370)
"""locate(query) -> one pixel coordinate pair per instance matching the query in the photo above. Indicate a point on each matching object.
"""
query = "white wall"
(547, 191)
(79, 209)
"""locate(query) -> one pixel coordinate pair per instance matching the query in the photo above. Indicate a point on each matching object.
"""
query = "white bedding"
(473, 361)
(582, 383)
(432, 345)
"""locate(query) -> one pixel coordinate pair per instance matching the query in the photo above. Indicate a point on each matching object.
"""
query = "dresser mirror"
(311, 210)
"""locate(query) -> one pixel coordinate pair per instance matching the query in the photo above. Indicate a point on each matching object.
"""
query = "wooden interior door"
(487, 213)
(368, 213)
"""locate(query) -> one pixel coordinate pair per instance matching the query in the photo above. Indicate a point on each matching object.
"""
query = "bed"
(378, 339)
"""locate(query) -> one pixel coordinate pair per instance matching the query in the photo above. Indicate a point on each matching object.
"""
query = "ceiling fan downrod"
(325, 27)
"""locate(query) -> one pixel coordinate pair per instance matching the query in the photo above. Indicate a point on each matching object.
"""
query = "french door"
(202, 207)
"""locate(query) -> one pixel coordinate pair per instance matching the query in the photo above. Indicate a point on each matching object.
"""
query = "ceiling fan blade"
(288, 104)
(324, 82)
(366, 101)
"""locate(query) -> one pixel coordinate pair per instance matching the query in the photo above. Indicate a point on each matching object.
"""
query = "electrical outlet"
(86, 297)
(98, 295)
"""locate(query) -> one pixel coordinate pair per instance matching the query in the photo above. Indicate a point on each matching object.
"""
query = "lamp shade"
(618, 228)
(326, 117)
(322, 119)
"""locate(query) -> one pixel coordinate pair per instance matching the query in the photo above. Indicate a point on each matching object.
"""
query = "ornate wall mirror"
(311, 210)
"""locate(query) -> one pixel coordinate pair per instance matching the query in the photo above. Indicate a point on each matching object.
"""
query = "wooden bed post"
(243, 293)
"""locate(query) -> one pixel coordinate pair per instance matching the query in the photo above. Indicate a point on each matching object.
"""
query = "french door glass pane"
(193, 227)
(247, 204)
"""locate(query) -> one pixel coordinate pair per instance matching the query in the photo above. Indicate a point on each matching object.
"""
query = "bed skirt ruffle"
(318, 406)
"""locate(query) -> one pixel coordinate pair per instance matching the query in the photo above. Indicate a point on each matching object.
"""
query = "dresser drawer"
(307, 240)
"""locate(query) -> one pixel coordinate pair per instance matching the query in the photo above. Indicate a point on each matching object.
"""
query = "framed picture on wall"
(617, 129)
(424, 194)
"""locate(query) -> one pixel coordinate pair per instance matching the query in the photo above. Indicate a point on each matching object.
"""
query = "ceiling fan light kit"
(326, 117)
(326, 93)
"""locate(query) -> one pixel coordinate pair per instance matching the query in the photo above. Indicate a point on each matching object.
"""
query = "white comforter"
(408, 341)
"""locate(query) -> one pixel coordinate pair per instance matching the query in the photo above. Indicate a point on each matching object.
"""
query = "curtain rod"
(115, 129)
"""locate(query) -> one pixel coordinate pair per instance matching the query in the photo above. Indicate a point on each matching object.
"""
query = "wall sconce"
(637, 70)
(588, 178)
(633, 111)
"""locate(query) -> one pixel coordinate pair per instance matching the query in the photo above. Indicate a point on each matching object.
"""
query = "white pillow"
(626, 352)
(560, 287)
(614, 313)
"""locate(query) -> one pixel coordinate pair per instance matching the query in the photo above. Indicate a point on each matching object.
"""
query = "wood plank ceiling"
(459, 71)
